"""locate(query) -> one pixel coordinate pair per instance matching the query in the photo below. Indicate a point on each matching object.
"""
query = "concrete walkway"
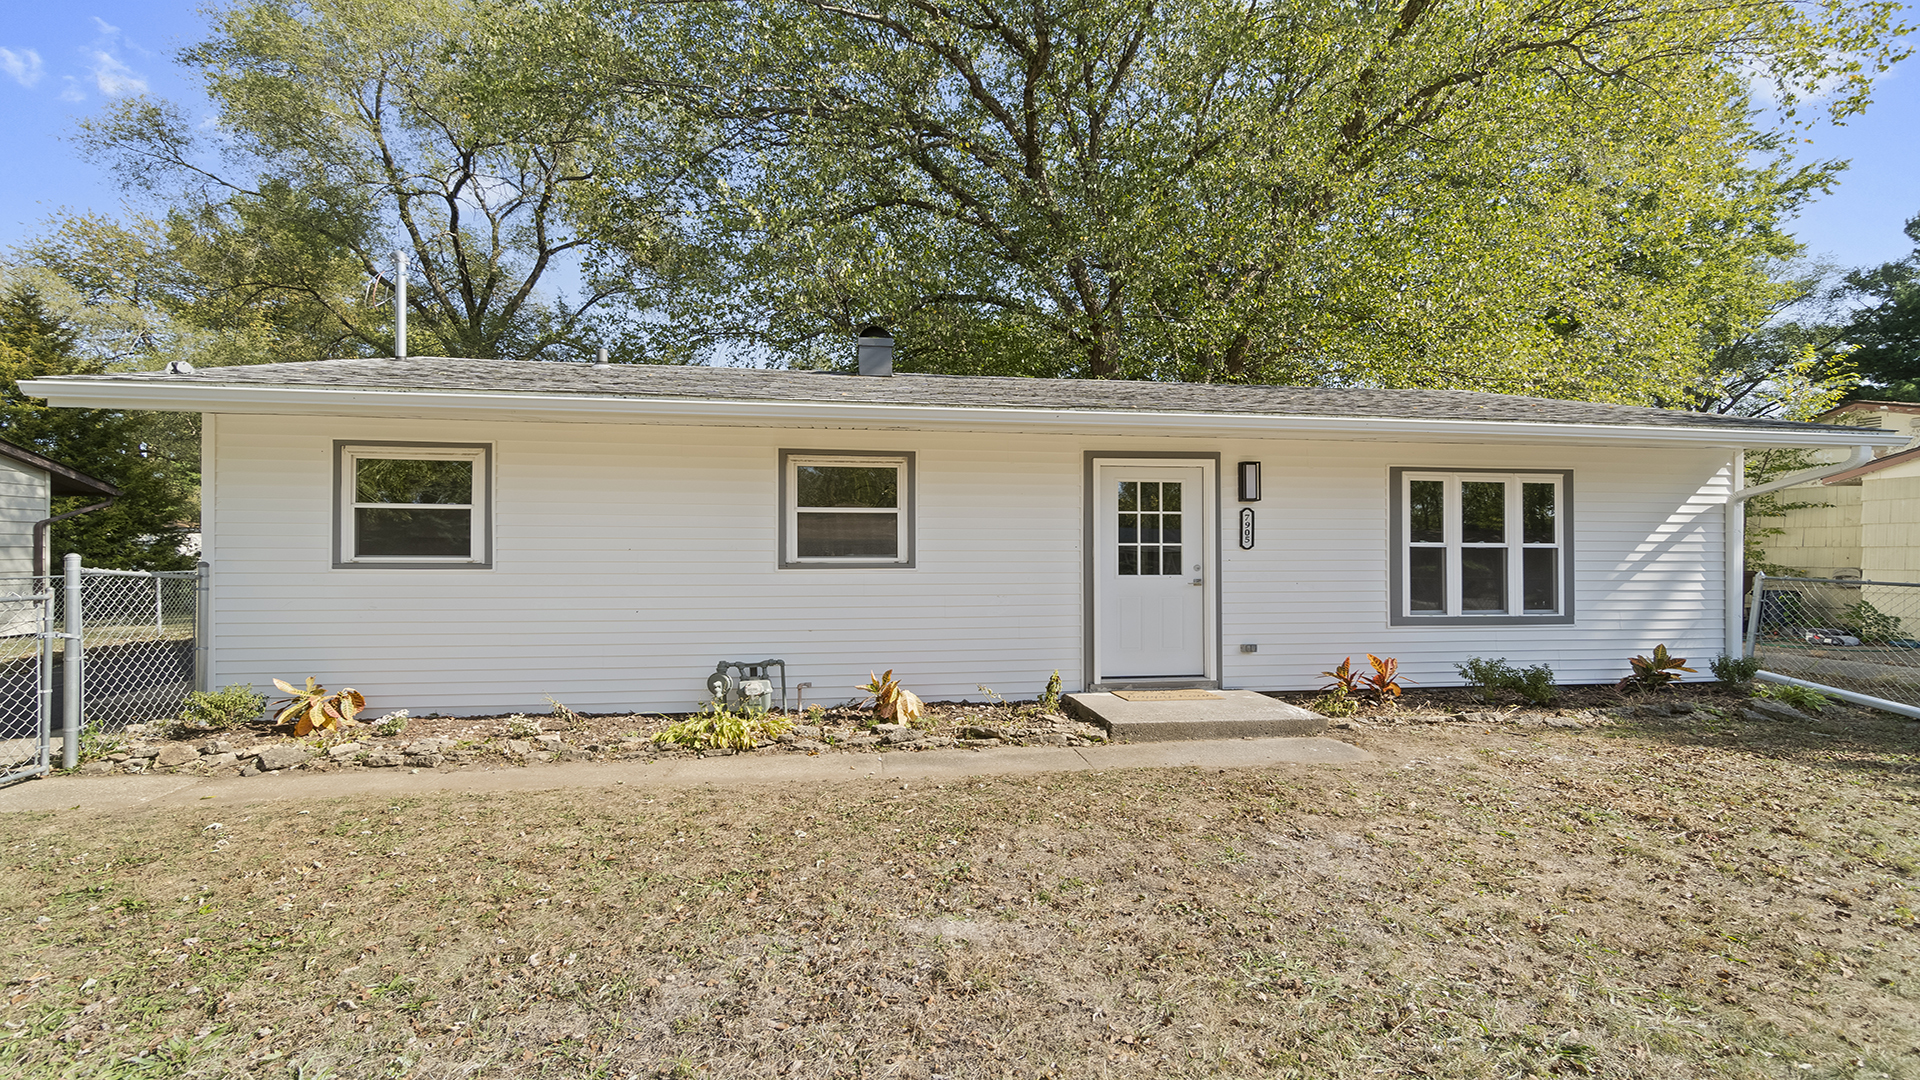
(100, 793)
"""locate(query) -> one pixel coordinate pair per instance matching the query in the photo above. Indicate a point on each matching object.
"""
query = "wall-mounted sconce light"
(1249, 481)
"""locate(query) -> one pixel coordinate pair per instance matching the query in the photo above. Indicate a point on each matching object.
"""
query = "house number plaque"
(1246, 528)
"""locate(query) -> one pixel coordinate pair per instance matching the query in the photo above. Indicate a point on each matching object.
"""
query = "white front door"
(1152, 572)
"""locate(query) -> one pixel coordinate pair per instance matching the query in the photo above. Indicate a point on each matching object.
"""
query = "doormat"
(1166, 695)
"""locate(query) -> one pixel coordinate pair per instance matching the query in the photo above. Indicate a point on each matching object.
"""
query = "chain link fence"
(1858, 636)
(24, 736)
(138, 632)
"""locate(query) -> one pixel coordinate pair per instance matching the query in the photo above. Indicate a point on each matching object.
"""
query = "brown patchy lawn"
(1681, 897)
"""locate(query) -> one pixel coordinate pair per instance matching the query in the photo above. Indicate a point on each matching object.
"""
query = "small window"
(413, 506)
(846, 509)
(1474, 546)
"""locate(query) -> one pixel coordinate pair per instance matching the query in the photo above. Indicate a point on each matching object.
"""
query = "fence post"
(44, 586)
(1753, 615)
(202, 622)
(70, 710)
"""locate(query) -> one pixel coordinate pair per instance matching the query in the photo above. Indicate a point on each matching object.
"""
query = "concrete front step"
(1226, 714)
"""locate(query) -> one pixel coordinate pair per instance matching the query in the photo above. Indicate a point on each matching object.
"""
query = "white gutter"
(1736, 531)
(747, 412)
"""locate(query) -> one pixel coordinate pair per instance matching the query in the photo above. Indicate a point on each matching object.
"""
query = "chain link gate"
(138, 644)
(1857, 639)
(25, 710)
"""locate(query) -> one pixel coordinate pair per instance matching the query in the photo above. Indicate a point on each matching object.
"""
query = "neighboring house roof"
(753, 395)
(1904, 457)
(62, 480)
(1872, 406)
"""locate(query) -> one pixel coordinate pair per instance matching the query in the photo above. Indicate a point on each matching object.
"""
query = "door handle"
(1198, 581)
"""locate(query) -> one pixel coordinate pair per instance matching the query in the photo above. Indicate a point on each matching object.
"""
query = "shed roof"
(62, 479)
(241, 390)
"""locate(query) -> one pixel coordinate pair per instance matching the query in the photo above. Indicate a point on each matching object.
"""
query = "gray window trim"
(911, 509)
(1396, 568)
(341, 562)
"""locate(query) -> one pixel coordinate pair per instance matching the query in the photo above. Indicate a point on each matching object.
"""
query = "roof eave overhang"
(612, 409)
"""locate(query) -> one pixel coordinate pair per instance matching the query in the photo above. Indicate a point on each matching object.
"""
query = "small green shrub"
(816, 715)
(1489, 677)
(221, 710)
(1871, 625)
(717, 727)
(1536, 685)
(1734, 670)
(1335, 702)
(1804, 698)
(394, 723)
(521, 726)
(1486, 677)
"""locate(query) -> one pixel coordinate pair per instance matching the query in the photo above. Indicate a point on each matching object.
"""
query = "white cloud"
(70, 89)
(104, 26)
(113, 77)
(24, 65)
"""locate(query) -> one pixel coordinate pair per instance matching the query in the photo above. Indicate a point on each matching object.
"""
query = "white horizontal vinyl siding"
(1647, 559)
(23, 501)
(630, 559)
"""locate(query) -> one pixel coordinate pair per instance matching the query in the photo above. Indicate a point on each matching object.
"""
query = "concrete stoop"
(1223, 714)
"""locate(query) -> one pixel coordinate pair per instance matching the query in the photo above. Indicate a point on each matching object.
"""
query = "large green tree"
(1559, 196)
(1886, 323)
(341, 130)
(151, 457)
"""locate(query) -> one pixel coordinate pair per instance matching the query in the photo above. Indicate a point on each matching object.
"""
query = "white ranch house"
(468, 536)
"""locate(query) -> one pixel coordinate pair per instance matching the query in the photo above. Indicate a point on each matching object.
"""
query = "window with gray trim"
(412, 505)
(846, 508)
(1479, 545)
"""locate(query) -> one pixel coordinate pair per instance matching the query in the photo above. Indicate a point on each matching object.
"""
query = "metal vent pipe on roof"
(875, 349)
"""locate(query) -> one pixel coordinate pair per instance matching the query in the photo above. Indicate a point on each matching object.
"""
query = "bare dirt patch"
(1660, 896)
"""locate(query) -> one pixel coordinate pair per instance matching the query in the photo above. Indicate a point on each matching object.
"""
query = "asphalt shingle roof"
(945, 391)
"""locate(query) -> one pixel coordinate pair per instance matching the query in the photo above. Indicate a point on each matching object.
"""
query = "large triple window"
(408, 505)
(1477, 546)
(846, 509)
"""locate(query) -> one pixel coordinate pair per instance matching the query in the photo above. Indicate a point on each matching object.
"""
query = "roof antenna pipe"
(399, 304)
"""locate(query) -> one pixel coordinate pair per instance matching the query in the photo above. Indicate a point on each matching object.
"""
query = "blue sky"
(59, 64)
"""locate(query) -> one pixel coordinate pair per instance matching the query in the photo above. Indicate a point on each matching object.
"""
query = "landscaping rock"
(901, 736)
(860, 741)
(430, 746)
(518, 747)
(1050, 738)
(806, 731)
(384, 759)
(250, 770)
(144, 751)
(92, 767)
(220, 760)
(976, 731)
(424, 761)
(933, 742)
(1767, 709)
(549, 743)
(344, 751)
(174, 754)
(282, 756)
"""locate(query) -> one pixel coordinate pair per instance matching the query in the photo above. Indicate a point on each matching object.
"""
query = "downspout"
(1736, 539)
(40, 535)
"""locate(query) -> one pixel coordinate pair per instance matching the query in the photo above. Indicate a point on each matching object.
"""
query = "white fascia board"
(613, 409)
